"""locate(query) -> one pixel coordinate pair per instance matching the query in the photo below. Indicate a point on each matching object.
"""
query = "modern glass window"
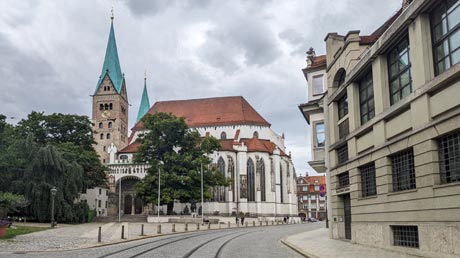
(402, 166)
(449, 158)
(366, 98)
(445, 24)
(368, 181)
(406, 236)
(320, 137)
(318, 84)
(342, 154)
(251, 181)
(343, 180)
(399, 71)
(343, 106)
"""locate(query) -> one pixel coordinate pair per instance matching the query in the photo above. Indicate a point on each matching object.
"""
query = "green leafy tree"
(10, 202)
(179, 152)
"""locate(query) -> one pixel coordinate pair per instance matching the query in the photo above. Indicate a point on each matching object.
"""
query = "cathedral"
(253, 156)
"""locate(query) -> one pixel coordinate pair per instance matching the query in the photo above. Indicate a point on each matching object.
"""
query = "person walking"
(242, 220)
(236, 219)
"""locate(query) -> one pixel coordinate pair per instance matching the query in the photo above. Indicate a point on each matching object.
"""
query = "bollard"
(142, 229)
(173, 228)
(99, 235)
(197, 226)
(186, 227)
(122, 232)
(229, 224)
(209, 225)
(159, 229)
(246, 224)
(260, 223)
(253, 223)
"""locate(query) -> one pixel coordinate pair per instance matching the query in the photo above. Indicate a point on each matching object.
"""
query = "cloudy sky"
(51, 52)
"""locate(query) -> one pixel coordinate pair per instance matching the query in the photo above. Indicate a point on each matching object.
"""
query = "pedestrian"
(284, 219)
(236, 219)
(242, 220)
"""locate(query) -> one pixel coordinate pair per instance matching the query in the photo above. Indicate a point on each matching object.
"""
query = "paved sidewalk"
(66, 236)
(317, 244)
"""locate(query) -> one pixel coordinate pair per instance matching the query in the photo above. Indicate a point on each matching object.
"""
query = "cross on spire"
(111, 17)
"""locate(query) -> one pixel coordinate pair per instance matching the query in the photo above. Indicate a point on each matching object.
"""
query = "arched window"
(261, 173)
(231, 172)
(288, 178)
(255, 134)
(124, 157)
(106, 106)
(102, 136)
(108, 136)
(103, 148)
(272, 175)
(281, 184)
(101, 106)
(101, 125)
(339, 78)
(251, 181)
(223, 136)
(110, 106)
(110, 124)
(220, 190)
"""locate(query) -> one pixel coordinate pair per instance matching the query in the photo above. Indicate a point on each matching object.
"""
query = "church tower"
(144, 106)
(110, 104)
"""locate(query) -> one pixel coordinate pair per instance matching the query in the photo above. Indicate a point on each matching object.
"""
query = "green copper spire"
(145, 104)
(111, 63)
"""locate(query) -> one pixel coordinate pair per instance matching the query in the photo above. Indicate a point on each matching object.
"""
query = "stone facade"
(384, 153)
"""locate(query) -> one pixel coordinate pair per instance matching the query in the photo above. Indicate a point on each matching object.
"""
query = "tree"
(10, 202)
(179, 152)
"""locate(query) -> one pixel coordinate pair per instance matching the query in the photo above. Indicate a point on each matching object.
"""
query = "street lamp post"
(159, 192)
(53, 193)
(202, 202)
(119, 200)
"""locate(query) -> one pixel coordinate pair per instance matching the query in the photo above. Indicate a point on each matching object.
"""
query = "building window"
(399, 71)
(106, 106)
(108, 136)
(342, 154)
(100, 191)
(304, 189)
(305, 197)
(99, 203)
(368, 181)
(251, 181)
(319, 131)
(219, 193)
(406, 236)
(110, 106)
(223, 136)
(101, 106)
(261, 173)
(343, 180)
(281, 185)
(231, 172)
(101, 125)
(449, 158)
(343, 106)
(101, 136)
(317, 84)
(110, 125)
(402, 165)
(313, 197)
(317, 188)
(255, 134)
(366, 98)
(446, 34)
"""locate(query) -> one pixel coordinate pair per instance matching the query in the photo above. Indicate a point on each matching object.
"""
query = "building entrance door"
(137, 205)
(347, 215)
(128, 204)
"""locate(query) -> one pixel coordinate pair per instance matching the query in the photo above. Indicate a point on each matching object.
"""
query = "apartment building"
(311, 193)
(393, 131)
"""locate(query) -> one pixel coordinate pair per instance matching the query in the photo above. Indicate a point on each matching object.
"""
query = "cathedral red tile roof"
(318, 61)
(131, 148)
(210, 112)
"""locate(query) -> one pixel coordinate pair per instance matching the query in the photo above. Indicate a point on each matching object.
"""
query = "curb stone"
(297, 249)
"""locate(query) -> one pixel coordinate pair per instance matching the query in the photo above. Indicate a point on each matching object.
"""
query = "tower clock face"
(105, 114)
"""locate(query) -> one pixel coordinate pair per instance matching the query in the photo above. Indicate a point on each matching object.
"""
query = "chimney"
(310, 56)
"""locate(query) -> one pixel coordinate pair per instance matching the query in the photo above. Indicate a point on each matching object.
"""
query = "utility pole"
(159, 192)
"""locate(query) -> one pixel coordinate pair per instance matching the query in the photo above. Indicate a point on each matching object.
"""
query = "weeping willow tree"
(49, 169)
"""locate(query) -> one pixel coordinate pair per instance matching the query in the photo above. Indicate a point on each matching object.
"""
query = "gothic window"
(108, 136)
(272, 175)
(255, 134)
(251, 181)
(261, 173)
(101, 125)
(106, 106)
(219, 191)
(288, 181)
(101, 106)
(223, 136)
(102, 136)
(110, 124)
(281, 184)
(231, 172)
(110, 106)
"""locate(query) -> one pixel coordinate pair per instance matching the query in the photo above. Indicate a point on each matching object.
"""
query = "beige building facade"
(393, 132)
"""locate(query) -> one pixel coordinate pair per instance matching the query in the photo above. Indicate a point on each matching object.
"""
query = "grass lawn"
(21, 230)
